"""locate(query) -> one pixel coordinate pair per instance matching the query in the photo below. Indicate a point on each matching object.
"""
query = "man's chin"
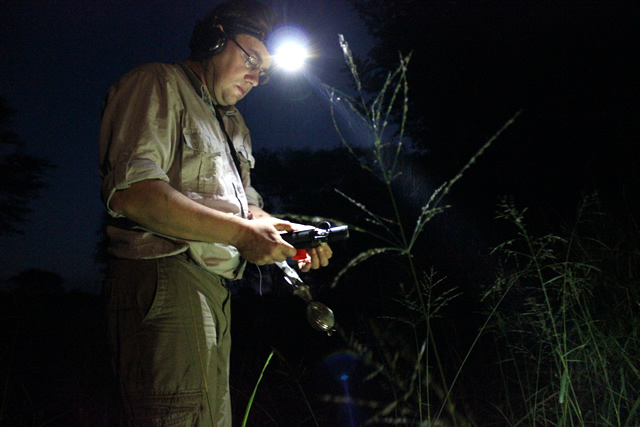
(231, 100)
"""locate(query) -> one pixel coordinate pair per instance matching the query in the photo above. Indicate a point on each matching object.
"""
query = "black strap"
(232, 149)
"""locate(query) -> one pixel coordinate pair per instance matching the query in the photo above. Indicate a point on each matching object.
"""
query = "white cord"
(260, 273)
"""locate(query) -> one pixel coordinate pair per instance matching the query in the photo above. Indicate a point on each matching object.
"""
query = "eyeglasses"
(254, 64)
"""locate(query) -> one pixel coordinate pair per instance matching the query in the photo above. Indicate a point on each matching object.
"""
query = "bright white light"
(289, 45)
(291, 56)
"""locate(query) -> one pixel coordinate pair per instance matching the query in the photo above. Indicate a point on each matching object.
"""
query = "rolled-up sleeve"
(253, 197)
(139, 130)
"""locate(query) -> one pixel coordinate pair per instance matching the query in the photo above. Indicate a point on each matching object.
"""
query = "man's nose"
(253, 77)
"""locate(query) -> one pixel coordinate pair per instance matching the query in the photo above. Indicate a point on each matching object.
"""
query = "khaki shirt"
(155, 126)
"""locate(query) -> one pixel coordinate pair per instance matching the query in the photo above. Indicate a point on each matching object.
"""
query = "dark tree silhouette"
(22, 176)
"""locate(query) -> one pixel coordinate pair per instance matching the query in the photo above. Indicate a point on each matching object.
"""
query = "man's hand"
(316, 258)
(259, 241)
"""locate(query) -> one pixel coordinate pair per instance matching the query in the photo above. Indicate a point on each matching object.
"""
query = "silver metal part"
(319, 315)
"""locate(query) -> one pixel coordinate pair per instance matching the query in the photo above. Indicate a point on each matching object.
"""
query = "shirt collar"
(202, 91)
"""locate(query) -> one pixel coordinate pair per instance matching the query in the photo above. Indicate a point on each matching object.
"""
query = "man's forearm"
(258, 212)
(156, 205)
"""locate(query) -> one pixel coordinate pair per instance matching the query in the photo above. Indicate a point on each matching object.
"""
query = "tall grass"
(413, 371)
(564, 319)
(568, 324)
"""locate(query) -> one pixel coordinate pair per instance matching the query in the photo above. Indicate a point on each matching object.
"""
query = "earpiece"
(207, 39)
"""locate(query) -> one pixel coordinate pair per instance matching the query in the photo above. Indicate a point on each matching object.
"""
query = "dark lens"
(264, 78)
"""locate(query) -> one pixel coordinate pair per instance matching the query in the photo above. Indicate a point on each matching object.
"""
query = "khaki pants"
(169, 332)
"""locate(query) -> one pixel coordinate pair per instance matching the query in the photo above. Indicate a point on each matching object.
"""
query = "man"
(175, 160)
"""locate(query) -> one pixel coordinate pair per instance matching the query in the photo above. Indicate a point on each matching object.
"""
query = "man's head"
(229, 44)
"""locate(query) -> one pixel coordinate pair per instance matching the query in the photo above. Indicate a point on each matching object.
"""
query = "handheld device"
(314, 237)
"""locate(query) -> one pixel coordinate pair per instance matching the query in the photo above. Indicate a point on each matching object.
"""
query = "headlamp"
(290, 56)
(289, 48)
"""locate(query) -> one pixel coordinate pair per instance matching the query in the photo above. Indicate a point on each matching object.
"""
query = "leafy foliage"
(22, 176)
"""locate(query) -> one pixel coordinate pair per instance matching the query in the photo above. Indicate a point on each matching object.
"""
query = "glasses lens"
(252, 63)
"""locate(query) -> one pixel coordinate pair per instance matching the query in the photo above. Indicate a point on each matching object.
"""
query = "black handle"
(314, 237)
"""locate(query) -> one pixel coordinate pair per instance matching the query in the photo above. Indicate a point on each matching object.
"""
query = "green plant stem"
(255, 389)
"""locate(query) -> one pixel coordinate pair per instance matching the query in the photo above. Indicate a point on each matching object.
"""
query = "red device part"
(300, 254)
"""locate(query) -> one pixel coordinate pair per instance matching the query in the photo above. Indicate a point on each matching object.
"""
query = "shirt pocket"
(200, 165)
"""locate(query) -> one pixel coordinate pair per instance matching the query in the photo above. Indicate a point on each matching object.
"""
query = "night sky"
(58, 61)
